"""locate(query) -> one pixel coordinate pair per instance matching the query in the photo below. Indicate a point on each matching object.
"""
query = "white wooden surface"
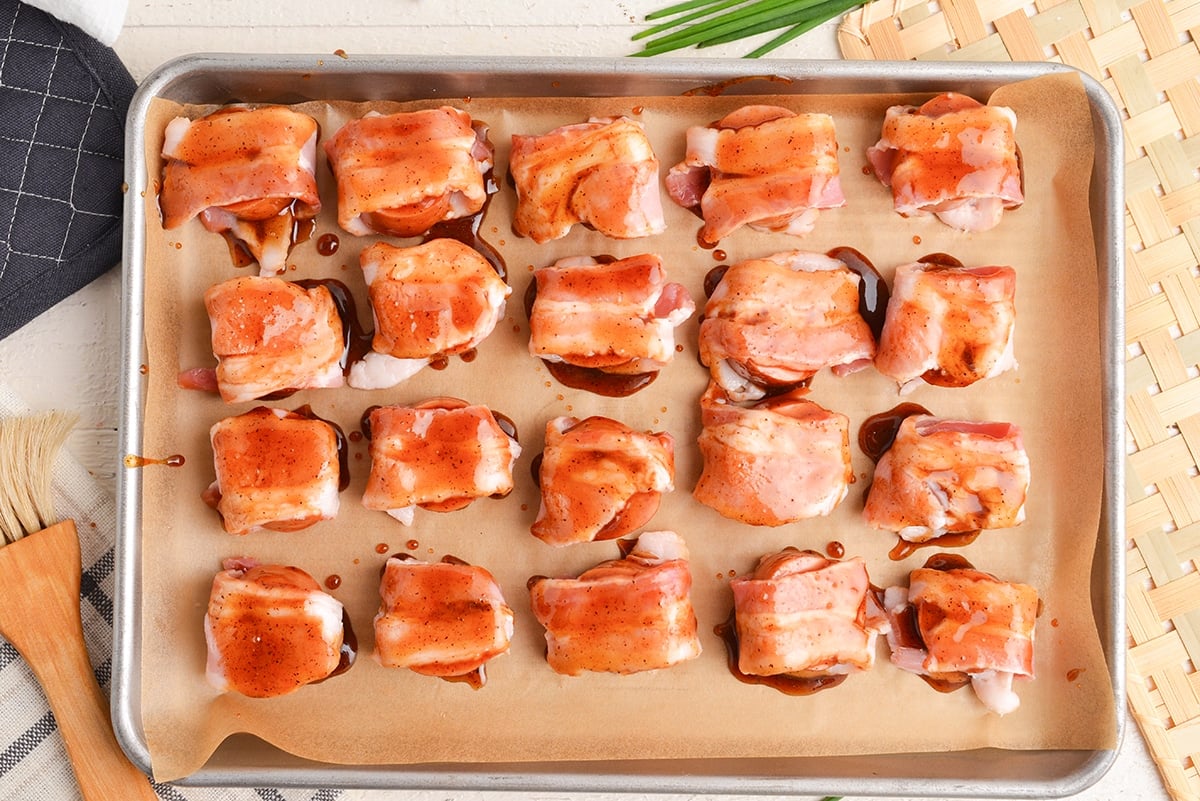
(69, 356)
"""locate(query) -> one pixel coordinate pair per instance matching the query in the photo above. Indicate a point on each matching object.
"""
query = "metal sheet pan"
(247, 761)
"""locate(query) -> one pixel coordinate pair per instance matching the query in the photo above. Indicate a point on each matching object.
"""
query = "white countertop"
(69, 356)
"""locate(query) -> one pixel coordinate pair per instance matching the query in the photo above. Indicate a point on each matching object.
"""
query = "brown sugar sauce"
(878, 431)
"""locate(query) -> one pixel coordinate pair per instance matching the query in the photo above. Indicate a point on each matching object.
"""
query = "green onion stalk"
(707, 23)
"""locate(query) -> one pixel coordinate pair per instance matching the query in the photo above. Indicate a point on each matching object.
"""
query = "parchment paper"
(373, 715)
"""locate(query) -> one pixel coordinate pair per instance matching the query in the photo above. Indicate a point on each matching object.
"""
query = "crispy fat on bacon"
(954, 624)
(622, 616)
(442, 618)
(762, 166)
(617, 317)
(401, 173)
(246, 172)
(271, 335)
(949, 476)
(948, 325)
(803, 615)
(780, 460)
(953, 157)
(600, 479)
(435, 299)
(776, 321)
(439, 455)
(270, 630)
(275, 469)
(602, 173)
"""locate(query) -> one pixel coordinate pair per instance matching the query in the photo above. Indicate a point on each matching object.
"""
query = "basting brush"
(39, 607)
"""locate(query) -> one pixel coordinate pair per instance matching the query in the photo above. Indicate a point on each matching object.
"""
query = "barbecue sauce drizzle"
(873, 293)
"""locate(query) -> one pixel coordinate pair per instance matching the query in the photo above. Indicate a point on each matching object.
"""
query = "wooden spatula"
(39, 607)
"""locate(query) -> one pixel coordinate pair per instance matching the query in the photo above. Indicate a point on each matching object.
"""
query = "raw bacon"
(600, 479)
(401, 173)
(954, 624)
(439, 455)
(602, 173)
(275, 469)
(246, 172)
(270, 630)
(803, 615)
(622, 616)
(442, 618)
(432, 300)
(271, 335)
(774, 322)
(946, 476)
(953, 157)
(762, 166)
(780, 460)
(617, 317)
(948, 325)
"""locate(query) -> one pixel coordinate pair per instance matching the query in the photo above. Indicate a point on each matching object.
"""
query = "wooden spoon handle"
(39, 614)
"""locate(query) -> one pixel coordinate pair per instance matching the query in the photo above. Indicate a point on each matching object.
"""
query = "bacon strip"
(440, 618)
(600, 479)
(949, 326)
(271, 335)
(952, 157)
(802, 614)
(623, 616)
(435, 299)
(247, 171)
(270, 630)
(969, 625)
(602, 173)
(275, 469)
(619, 317)
(944, 476)
(439, 455)
(401, 173)
(776, 462)
(776, 321)
(762, 166)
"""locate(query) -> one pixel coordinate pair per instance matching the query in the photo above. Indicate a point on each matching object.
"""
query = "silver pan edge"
(985, 773)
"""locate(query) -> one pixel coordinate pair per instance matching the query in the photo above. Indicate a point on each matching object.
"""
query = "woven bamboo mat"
(1146, 55)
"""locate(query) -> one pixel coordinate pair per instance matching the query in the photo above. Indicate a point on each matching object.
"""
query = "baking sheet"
(696, 709)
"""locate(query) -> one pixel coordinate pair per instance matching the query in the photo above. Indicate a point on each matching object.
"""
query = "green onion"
(706, 23)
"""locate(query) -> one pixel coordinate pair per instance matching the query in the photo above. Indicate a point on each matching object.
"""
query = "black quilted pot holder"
(63, 100)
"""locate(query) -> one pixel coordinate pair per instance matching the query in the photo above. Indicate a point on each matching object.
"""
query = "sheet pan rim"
(1084, 769)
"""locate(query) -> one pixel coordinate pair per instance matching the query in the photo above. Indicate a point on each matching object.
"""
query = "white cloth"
(101, 19)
